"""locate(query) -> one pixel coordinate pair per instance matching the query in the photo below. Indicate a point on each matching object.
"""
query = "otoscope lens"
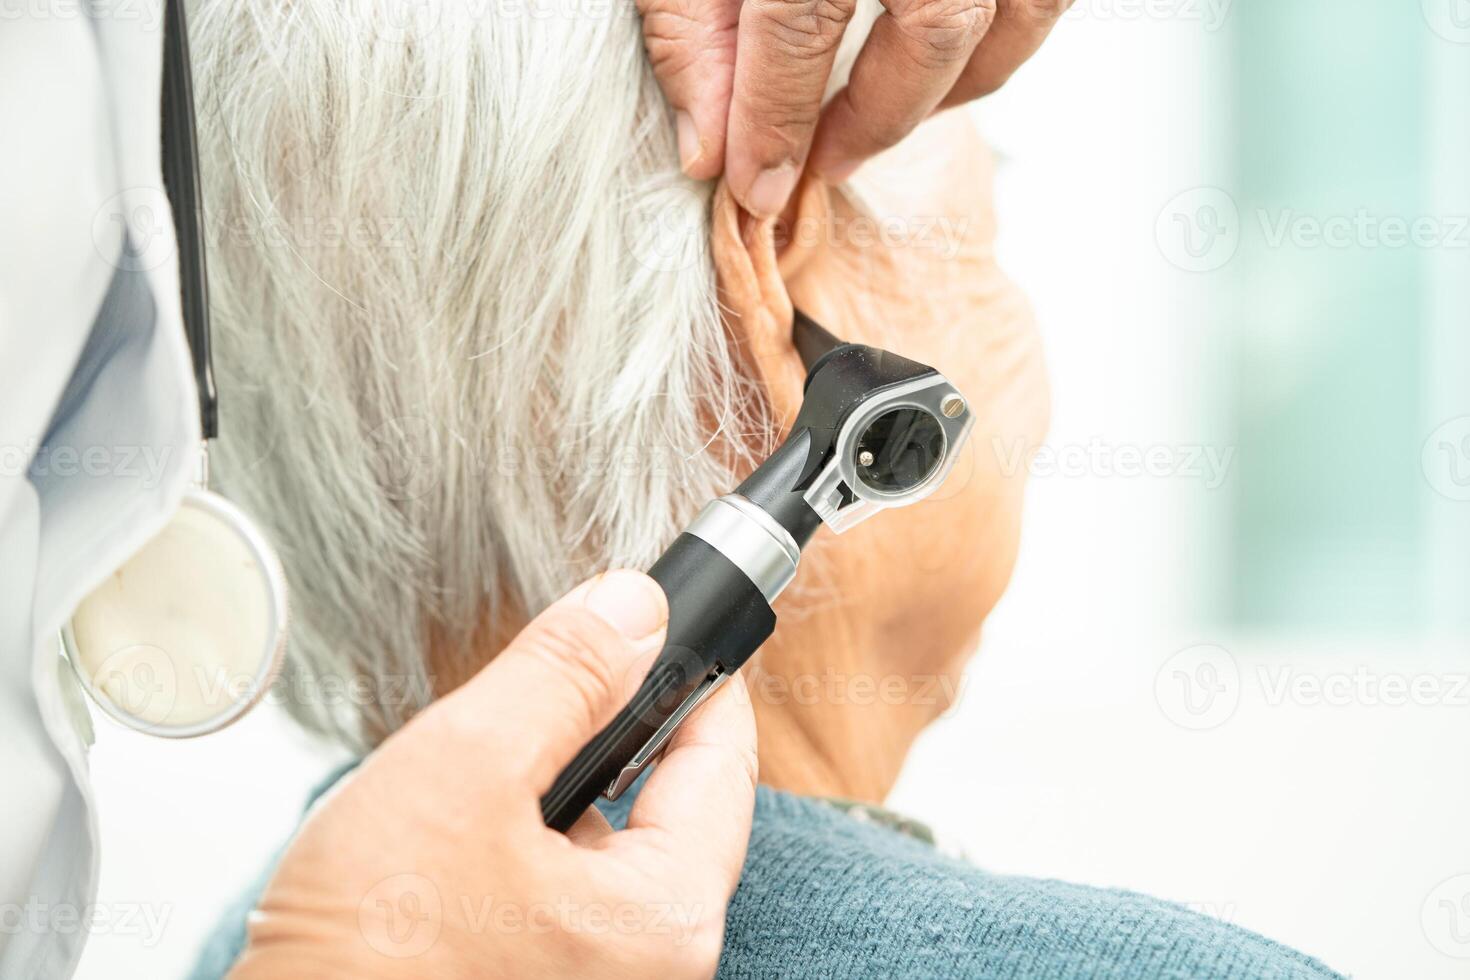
(899, 450)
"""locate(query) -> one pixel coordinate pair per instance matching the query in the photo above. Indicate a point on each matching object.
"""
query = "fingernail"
(835, 173)
(630, 602)
(691, 148)
(770, 190)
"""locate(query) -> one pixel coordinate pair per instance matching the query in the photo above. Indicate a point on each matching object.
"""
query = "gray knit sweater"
(826, 895)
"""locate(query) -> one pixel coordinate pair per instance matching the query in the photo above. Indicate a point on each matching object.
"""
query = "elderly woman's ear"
(753, 258)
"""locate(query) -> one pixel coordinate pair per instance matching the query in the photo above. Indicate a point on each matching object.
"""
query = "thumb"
(691, 44)
(557, 684)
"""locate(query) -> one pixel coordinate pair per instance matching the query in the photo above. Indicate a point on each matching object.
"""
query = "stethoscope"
(190, 632)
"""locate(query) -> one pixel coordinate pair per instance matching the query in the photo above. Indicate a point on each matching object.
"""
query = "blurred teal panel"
(1330, 141)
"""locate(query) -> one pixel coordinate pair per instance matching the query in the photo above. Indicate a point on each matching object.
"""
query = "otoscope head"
(875, 431)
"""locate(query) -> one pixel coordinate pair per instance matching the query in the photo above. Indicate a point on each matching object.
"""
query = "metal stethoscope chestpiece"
(188, 634)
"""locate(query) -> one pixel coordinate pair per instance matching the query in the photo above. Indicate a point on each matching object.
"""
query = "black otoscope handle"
(717, 619)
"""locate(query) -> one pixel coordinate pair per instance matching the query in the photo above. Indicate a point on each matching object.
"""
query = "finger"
(591, 828)
(911, 59)
(1020, 27)
(784, 55)
(691, 44)
(525, 715)
(698, 803)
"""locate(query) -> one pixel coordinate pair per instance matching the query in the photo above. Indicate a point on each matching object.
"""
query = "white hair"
(467, 337)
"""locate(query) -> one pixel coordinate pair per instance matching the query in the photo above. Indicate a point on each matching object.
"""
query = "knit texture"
(826, 895)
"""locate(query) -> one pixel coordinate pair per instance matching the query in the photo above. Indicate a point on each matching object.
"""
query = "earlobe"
(753, 260)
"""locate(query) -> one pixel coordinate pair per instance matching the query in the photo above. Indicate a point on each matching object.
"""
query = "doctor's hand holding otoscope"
(457, 820)
(385, 880)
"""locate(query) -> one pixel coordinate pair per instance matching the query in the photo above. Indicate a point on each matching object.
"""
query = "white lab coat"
(99, 428)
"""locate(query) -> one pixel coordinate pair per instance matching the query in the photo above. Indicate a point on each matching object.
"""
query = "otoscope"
(875, 431)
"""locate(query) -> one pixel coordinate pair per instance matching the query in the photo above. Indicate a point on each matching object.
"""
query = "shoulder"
(826, 895)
